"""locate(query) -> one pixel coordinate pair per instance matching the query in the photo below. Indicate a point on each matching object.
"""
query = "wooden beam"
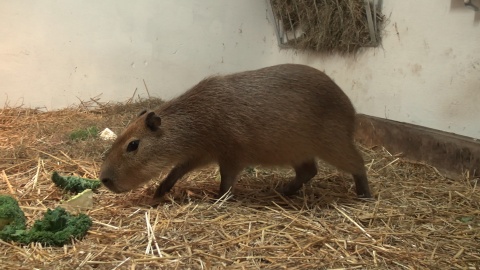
(450, 153)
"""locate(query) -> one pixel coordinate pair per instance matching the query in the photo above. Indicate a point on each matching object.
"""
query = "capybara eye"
(133, 145)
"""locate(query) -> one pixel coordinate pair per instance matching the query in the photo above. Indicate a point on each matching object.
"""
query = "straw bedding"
(419, 220)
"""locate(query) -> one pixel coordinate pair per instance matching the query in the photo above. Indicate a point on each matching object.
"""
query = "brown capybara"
(281, 115)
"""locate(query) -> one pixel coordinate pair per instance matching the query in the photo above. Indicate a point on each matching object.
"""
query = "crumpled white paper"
(107, 134)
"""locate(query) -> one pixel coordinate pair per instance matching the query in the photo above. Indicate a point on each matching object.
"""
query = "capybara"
(286, 114)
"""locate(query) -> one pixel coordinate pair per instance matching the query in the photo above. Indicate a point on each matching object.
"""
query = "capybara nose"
(107, 182)
(110, 184)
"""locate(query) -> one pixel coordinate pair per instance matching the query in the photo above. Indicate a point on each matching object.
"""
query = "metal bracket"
(468, 3)
(278, 26)
(371, 23)
(372, 18)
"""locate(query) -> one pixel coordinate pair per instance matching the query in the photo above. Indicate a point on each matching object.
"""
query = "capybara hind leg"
(303, 173)
(350, 160)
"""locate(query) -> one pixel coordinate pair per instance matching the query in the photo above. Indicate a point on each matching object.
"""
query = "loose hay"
(420, 219)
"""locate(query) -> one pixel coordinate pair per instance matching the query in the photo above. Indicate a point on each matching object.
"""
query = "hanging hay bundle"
(327, 25)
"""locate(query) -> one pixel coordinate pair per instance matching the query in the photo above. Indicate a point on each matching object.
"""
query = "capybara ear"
(142, 113)
(153, 121)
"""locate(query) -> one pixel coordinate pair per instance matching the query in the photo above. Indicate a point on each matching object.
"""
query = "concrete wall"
(427, 72)
(52, 52)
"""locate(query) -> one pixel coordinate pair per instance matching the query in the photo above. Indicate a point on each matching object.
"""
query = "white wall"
(52, 52)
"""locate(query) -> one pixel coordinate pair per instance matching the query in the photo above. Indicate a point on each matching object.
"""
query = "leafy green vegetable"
(83, 134)
(56, 228)
(12, 218)
(465, 219)
(74, 183)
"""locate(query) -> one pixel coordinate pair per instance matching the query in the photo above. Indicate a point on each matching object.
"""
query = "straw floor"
(419, 220)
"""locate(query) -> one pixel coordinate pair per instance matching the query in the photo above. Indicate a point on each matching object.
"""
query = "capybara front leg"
(228, 176)
(176, 173)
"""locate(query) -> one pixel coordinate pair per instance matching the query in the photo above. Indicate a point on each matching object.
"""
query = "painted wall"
(52, 52)
(427, 72)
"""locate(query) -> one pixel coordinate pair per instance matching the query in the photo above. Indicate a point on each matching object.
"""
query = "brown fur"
(281, 115)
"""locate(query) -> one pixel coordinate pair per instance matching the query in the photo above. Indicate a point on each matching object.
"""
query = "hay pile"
(420, 220)
(328, 26)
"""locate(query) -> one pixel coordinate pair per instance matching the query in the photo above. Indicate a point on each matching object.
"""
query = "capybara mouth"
(108, 183)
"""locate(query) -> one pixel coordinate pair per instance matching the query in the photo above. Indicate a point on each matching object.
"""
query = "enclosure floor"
(418, 220)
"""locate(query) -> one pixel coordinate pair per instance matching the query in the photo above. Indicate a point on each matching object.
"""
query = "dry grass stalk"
(420, 220)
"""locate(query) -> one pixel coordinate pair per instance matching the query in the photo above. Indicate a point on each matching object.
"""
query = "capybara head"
(136, 155)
